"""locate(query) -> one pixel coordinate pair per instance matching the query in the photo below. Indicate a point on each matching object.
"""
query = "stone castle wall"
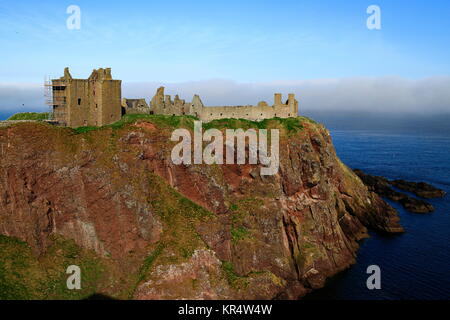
(95, 101)
(135, 106)
(163, 104)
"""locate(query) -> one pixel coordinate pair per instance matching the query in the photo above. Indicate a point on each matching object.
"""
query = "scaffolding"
(54, 102)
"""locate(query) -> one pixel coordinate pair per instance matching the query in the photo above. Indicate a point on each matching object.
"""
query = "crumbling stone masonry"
(135, 106)
(95, 101)
(163, 104)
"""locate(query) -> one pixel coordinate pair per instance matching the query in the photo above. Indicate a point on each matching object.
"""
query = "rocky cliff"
(111, 201)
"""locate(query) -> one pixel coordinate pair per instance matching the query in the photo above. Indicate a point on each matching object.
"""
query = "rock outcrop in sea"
(383, 187)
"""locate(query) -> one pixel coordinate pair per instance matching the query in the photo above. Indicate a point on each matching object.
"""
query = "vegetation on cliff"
(290, 124)
(30, 116)
(24, 275)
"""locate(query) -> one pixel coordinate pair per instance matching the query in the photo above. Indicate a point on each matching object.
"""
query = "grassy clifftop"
(29, 116)
(165, 121)
(290, 124)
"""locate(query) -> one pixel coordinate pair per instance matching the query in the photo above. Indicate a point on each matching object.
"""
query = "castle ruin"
(134, 106)
(163, 104)
(97, 101)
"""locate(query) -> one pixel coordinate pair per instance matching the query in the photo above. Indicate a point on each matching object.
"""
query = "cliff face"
(162, 231)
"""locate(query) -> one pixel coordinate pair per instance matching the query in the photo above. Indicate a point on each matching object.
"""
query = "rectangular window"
(79, 101)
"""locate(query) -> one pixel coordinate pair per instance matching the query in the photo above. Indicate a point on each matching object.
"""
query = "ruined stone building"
(135, 106)
(95, 101)
(163, 104)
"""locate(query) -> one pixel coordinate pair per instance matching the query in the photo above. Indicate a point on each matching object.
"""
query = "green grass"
(239, 233)
(30, 116)
(23, 276)
(85, 129)
(233, 279)
(159, 120)
(147, 264)
(165, 121)
(240, 214)
(290, 124)
(15, 258)
(243, 208)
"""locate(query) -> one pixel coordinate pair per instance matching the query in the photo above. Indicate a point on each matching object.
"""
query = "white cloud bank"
(387, 94)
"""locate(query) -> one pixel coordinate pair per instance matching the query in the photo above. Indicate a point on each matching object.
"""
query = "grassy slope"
(25, 276)
(30, 116)
(290, 124)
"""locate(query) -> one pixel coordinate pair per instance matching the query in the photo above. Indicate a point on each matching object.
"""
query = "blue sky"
(244, 41)
(236, 52)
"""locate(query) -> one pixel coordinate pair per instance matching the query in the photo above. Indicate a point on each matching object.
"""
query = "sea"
(416, 264)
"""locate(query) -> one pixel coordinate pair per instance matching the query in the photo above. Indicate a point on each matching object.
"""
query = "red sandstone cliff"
(195, 232)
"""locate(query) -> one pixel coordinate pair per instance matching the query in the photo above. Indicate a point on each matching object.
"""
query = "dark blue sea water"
(415, 265)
